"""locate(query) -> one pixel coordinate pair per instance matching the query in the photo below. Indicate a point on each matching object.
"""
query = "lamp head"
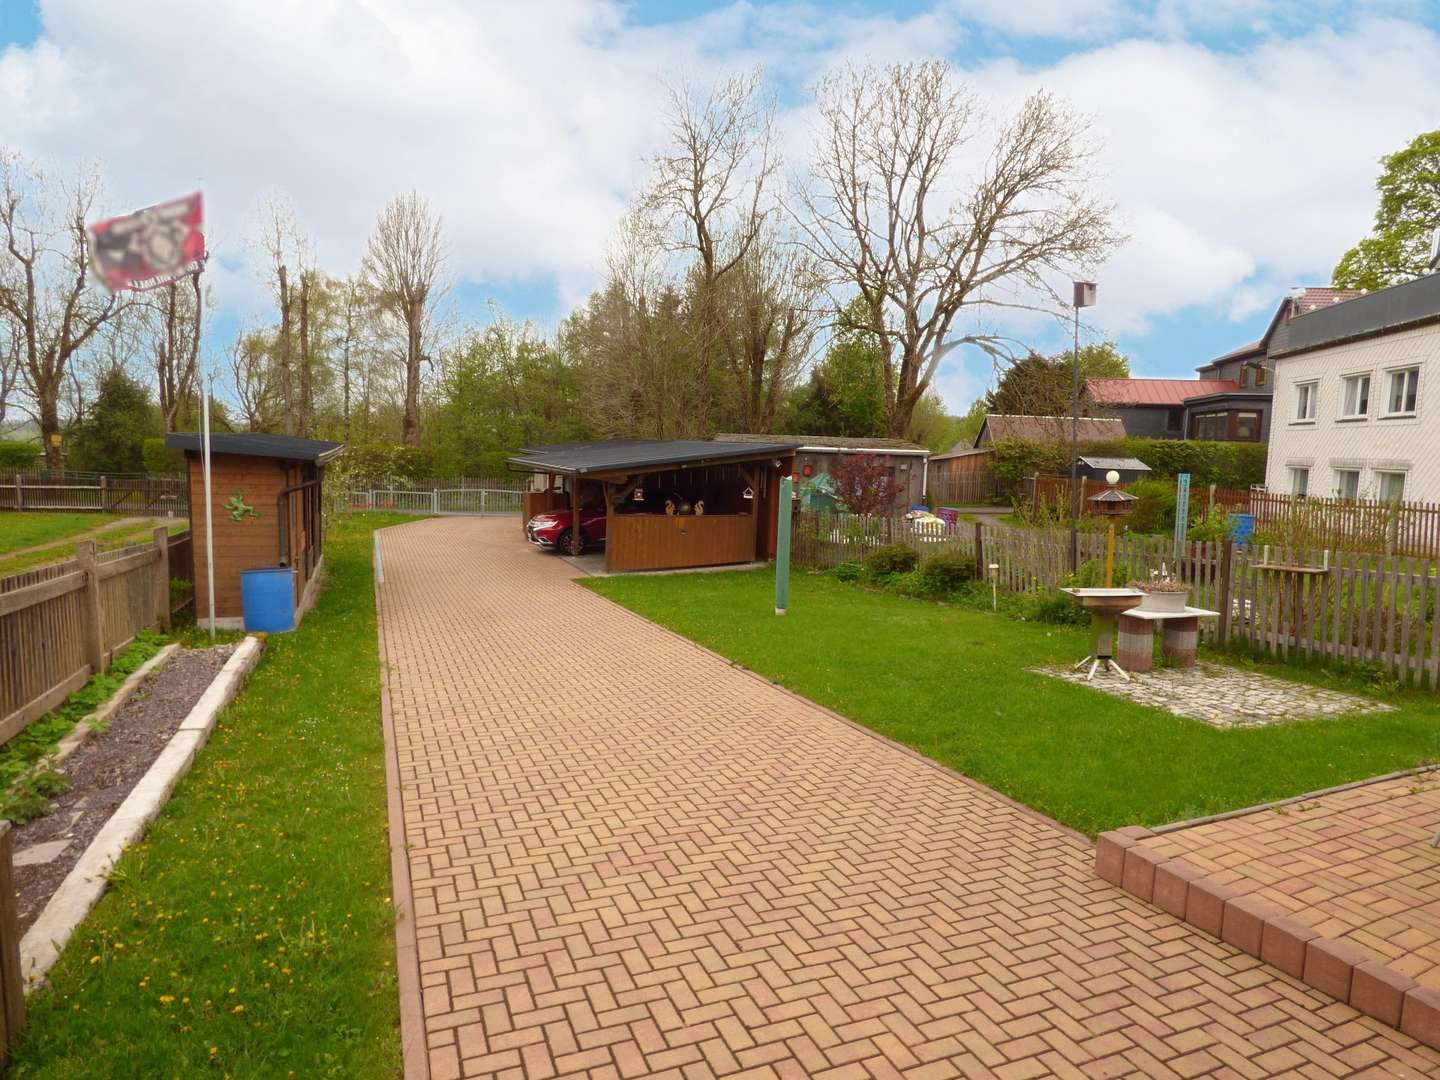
(1112, 477)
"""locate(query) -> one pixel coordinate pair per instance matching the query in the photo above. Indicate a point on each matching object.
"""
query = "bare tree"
(12, 349)
(254, 378)
(43, 286)
(886, 216)
(403, 265)
(177, 316)
(710, 196)
(774, 310)
(287, 252)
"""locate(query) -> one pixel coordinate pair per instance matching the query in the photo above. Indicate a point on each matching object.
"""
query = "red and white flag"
(150, 247)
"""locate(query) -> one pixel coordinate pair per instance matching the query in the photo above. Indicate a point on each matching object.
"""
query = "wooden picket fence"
(61, 490)
(1352, 606)
(62, 623)
(1391, 528)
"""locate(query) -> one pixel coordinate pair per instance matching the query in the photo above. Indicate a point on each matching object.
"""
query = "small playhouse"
(265, 511)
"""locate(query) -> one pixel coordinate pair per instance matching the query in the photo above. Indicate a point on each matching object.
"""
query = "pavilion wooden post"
(94, 627)
(575, 514)
(162, 576)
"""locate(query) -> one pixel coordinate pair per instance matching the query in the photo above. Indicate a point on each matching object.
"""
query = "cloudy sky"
(1240, 136)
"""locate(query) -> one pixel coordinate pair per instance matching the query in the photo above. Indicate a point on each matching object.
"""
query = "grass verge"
(952, 683)
(24, 792)
(251, 933)
(107, 540)
(32, 528)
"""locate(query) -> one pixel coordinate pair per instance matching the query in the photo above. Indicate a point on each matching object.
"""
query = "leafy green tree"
(1398, 247)
(846, 391)
(1043, 385)
(112, 436)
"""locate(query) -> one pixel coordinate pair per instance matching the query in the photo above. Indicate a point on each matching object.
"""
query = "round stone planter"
(1165, 601)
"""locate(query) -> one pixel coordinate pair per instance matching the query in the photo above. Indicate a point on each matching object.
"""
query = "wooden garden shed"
(722, 497)
(265, 507)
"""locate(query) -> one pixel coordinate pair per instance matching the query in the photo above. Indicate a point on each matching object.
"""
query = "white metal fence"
(479, 501)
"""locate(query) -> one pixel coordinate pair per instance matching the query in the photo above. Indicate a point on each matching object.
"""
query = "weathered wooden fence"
(1393, 528)
(57, 490)
(962, 489)
(1357, 607)
(62, 623)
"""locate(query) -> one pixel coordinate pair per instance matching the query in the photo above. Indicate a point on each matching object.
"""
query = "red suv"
(551, 530)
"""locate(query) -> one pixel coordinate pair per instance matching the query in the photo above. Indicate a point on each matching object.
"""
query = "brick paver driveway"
(630, 858)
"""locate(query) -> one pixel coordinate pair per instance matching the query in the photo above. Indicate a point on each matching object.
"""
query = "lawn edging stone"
(1255, 926)
(85, 884)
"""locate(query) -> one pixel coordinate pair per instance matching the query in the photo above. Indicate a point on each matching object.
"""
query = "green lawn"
(30, 529)
(250, 934)
(951, 683)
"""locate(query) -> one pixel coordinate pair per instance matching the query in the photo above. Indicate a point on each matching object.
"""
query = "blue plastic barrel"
(1243, 526)
(268, 598)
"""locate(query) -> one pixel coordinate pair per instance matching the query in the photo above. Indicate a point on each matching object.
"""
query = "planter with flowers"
(1162, 594)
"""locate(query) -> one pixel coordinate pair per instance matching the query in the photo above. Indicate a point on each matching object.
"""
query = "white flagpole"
(206, 385)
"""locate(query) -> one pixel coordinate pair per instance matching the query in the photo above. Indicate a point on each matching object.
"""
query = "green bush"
(891, 561)
(160, 460)
(1225, 464)
(1154, 508)
(848, 571)
(1216, 525)
(948, 571)
(1018, 459)
(1049, 606)
(17, 454)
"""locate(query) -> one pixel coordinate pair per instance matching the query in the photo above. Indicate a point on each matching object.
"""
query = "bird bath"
(1104, 605)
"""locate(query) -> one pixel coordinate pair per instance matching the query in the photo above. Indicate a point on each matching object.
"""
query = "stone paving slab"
(1356, 865)
(1224, 697)
(630, 858)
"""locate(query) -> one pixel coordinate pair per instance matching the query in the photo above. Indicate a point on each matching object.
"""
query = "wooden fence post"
(162, 576)
(91, 613)
(1227, 551)
(980, 571)
(19, 494)
(12, 984)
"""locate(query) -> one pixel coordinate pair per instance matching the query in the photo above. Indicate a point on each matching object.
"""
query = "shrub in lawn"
(890, 561)
(848, 571)
(1050, 607)
(948, 571)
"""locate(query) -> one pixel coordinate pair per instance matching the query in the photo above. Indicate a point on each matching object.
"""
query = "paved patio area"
(1355, 864)
(1224, 697)
(630, 858)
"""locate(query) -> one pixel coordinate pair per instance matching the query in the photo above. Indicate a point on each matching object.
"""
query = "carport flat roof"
(618, 455)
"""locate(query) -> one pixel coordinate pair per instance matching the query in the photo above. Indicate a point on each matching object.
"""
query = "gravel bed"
(103, 772)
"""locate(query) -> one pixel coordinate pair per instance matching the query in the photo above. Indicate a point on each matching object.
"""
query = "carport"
(669, 503)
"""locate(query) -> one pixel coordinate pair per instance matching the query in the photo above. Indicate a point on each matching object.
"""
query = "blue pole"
(782, 547)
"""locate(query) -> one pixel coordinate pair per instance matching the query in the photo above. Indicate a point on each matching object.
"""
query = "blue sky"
(1240, 137)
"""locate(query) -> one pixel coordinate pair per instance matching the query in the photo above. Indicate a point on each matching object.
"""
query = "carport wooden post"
(575, 514)
(782, 547)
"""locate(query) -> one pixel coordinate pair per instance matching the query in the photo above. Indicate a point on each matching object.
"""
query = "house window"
(1247, 426)
(1299, 481)
(1391, 485)
(1404, 385)
(1347, 483)
(1260, 375)
(1211, 425)
(1305, 394)
(1244, 379)
(1354, 397)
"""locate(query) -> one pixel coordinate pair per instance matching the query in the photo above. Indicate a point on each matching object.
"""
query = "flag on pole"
(151, 247)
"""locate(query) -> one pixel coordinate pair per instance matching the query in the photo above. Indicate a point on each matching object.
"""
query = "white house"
(1357, 398)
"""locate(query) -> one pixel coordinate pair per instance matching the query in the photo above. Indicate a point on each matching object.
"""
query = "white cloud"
(1237, 172)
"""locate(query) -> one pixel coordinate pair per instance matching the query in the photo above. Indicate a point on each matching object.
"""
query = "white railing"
(477, 501)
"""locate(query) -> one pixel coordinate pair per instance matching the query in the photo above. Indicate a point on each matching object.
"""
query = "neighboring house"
(1357, 397)
(1237, 408)
(816, 454)
(1046, 429)
(1149, 408)
(1229, 402)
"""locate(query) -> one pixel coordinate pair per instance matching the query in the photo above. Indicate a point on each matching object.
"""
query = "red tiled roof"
(1152, 391)
(1312, 298)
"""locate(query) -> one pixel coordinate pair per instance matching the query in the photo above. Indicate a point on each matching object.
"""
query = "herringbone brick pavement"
(630, 858)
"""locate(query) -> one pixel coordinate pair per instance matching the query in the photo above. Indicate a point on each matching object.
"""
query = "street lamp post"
(1084, 296)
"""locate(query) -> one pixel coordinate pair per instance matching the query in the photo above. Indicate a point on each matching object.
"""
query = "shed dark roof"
(1381, 312)
(256, 444)
(829, 442)
(614, 455)
(1128, 464)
